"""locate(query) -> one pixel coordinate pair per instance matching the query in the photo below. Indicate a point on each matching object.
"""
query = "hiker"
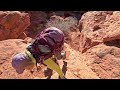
(44, 49)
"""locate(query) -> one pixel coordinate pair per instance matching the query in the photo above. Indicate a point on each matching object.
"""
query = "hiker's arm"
(53, 66)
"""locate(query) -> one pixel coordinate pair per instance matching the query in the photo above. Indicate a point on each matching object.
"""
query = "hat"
(20, 61)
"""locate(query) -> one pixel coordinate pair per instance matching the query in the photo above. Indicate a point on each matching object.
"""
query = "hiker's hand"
(63, 55)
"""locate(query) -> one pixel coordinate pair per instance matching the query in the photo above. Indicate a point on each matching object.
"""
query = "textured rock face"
(98, 38)
(104, 61)
(72, 66)
(13, 24)
(99, 27)
(37, 20)
(100, 42)
(8, 48)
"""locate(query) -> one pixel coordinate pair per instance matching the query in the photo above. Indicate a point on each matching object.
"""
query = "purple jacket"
(53, 38)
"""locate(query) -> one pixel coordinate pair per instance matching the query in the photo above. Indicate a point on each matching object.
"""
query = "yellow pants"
(53, 66)
(50, 64)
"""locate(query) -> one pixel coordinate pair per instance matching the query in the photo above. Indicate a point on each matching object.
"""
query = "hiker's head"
(20, 62)
(52, 39)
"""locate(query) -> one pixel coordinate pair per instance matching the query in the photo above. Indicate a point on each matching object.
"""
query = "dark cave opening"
(115, 43)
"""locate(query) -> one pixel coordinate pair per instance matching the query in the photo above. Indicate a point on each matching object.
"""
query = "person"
(45, 49)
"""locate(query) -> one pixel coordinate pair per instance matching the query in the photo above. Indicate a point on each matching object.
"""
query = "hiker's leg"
(53, 66)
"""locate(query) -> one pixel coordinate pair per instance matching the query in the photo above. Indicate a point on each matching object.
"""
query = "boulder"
(13, 24)
(99, 27)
